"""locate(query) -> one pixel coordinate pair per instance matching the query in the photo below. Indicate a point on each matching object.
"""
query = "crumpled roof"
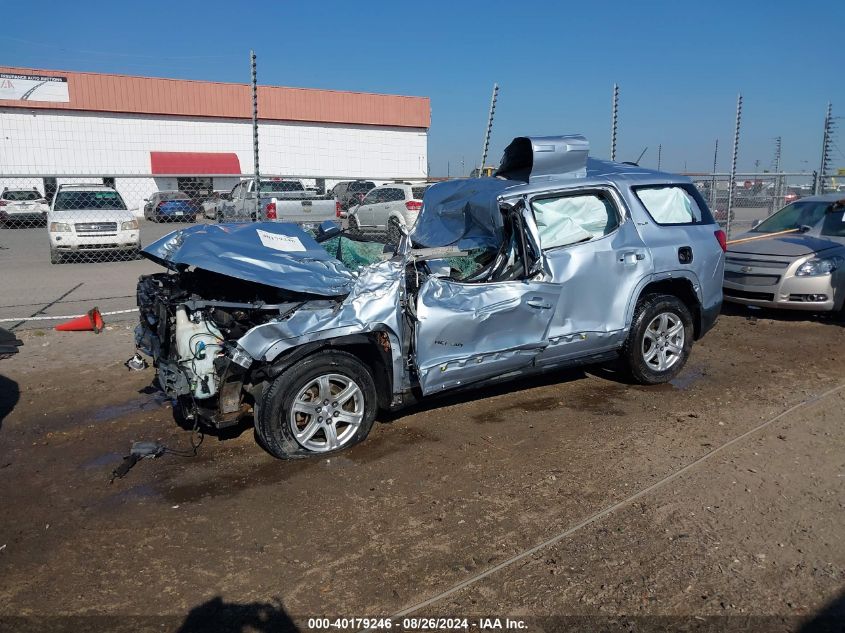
(463, 213)
(271, 253)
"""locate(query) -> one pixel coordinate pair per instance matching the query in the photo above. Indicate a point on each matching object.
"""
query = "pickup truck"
(279, 201)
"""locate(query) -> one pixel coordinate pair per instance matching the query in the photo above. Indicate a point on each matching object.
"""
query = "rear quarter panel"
(705, 271)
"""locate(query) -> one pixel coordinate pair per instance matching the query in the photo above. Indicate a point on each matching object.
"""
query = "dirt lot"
(438, 497)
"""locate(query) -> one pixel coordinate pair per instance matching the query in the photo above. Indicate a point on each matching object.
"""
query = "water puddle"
(145, 403)
(103, 461)
(687, 378)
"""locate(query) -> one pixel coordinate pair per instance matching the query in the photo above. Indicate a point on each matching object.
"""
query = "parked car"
(389, 209)
(350, 193)
(804, 270)
(169, 206)
(560, 260)
(90, 219)
(22, 207)
(792, 194)
(280, 200)
(212, 207)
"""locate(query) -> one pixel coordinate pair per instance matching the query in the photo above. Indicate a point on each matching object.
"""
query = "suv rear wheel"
(354, 225)
(321, 405)
(660, 339)
(394, 231)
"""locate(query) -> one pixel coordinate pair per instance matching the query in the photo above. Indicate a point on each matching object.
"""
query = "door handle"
(538, 303)
(631, 257)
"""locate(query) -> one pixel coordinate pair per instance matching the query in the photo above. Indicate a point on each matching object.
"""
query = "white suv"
(22, 207)
(387, 208)
(90, 218)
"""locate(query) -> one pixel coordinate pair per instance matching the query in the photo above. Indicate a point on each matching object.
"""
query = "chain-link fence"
(70, 242)
(753, 196)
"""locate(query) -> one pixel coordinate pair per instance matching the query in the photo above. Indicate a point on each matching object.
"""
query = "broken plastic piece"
(136, 363)
(137, 452)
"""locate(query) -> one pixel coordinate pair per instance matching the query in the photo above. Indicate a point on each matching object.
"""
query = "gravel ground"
(439, 496)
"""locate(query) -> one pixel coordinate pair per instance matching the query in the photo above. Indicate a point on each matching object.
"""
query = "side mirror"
(327, 230)
(146, 199)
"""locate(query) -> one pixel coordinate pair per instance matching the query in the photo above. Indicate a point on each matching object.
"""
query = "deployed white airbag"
(570, 219)
(670, 205)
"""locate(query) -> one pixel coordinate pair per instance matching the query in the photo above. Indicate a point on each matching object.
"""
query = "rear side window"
(21, 196)
(674, 204)
(359, 187)
(392, 195)
(418, 192)
(281, 186)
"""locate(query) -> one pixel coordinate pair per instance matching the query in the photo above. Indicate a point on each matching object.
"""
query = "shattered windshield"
(354, 254)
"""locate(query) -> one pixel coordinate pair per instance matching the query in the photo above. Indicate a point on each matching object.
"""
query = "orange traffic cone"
(91, 322)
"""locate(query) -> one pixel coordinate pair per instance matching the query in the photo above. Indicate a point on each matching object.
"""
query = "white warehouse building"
(146, 134)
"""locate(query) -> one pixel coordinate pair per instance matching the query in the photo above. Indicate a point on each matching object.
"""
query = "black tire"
(273, 420)
(354, 226)
(56, 257)
(394, 231)
(649, 308)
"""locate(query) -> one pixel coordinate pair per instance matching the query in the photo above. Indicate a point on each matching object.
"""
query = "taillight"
(271, 210)
(413, 205)
(3, 203)
(159, 205)
(722, 239)
(337, 208)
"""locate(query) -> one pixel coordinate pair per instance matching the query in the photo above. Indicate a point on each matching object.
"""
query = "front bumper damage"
(240, 297)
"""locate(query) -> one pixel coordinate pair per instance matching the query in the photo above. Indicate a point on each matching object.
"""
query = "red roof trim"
(95, 92)
(170, 163)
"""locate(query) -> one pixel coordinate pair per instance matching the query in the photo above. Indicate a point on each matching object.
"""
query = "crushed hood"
(270, 253)
(786, 246)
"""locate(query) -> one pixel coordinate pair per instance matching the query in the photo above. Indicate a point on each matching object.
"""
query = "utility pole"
(489, 129)
(713, 181)
(448, 166)
(659, 155)
(257, 175)
(614, 120)
(778, 192)
(732, 184)
(825, 162)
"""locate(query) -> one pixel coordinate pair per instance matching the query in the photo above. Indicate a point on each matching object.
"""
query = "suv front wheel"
(322, 404)
(660, 339)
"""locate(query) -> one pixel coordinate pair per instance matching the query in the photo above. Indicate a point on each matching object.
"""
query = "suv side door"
(594, 251)
(471, 331)
(391, 203)
(366, 210)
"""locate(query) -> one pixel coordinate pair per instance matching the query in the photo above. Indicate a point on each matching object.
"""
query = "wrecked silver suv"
(559, 260)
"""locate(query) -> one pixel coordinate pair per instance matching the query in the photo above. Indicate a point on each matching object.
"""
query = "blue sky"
(680, 65)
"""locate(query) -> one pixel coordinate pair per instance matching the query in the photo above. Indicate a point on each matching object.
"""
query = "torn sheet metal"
(463, 213)
(538, 158)
(270, 253)
(373, 304)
